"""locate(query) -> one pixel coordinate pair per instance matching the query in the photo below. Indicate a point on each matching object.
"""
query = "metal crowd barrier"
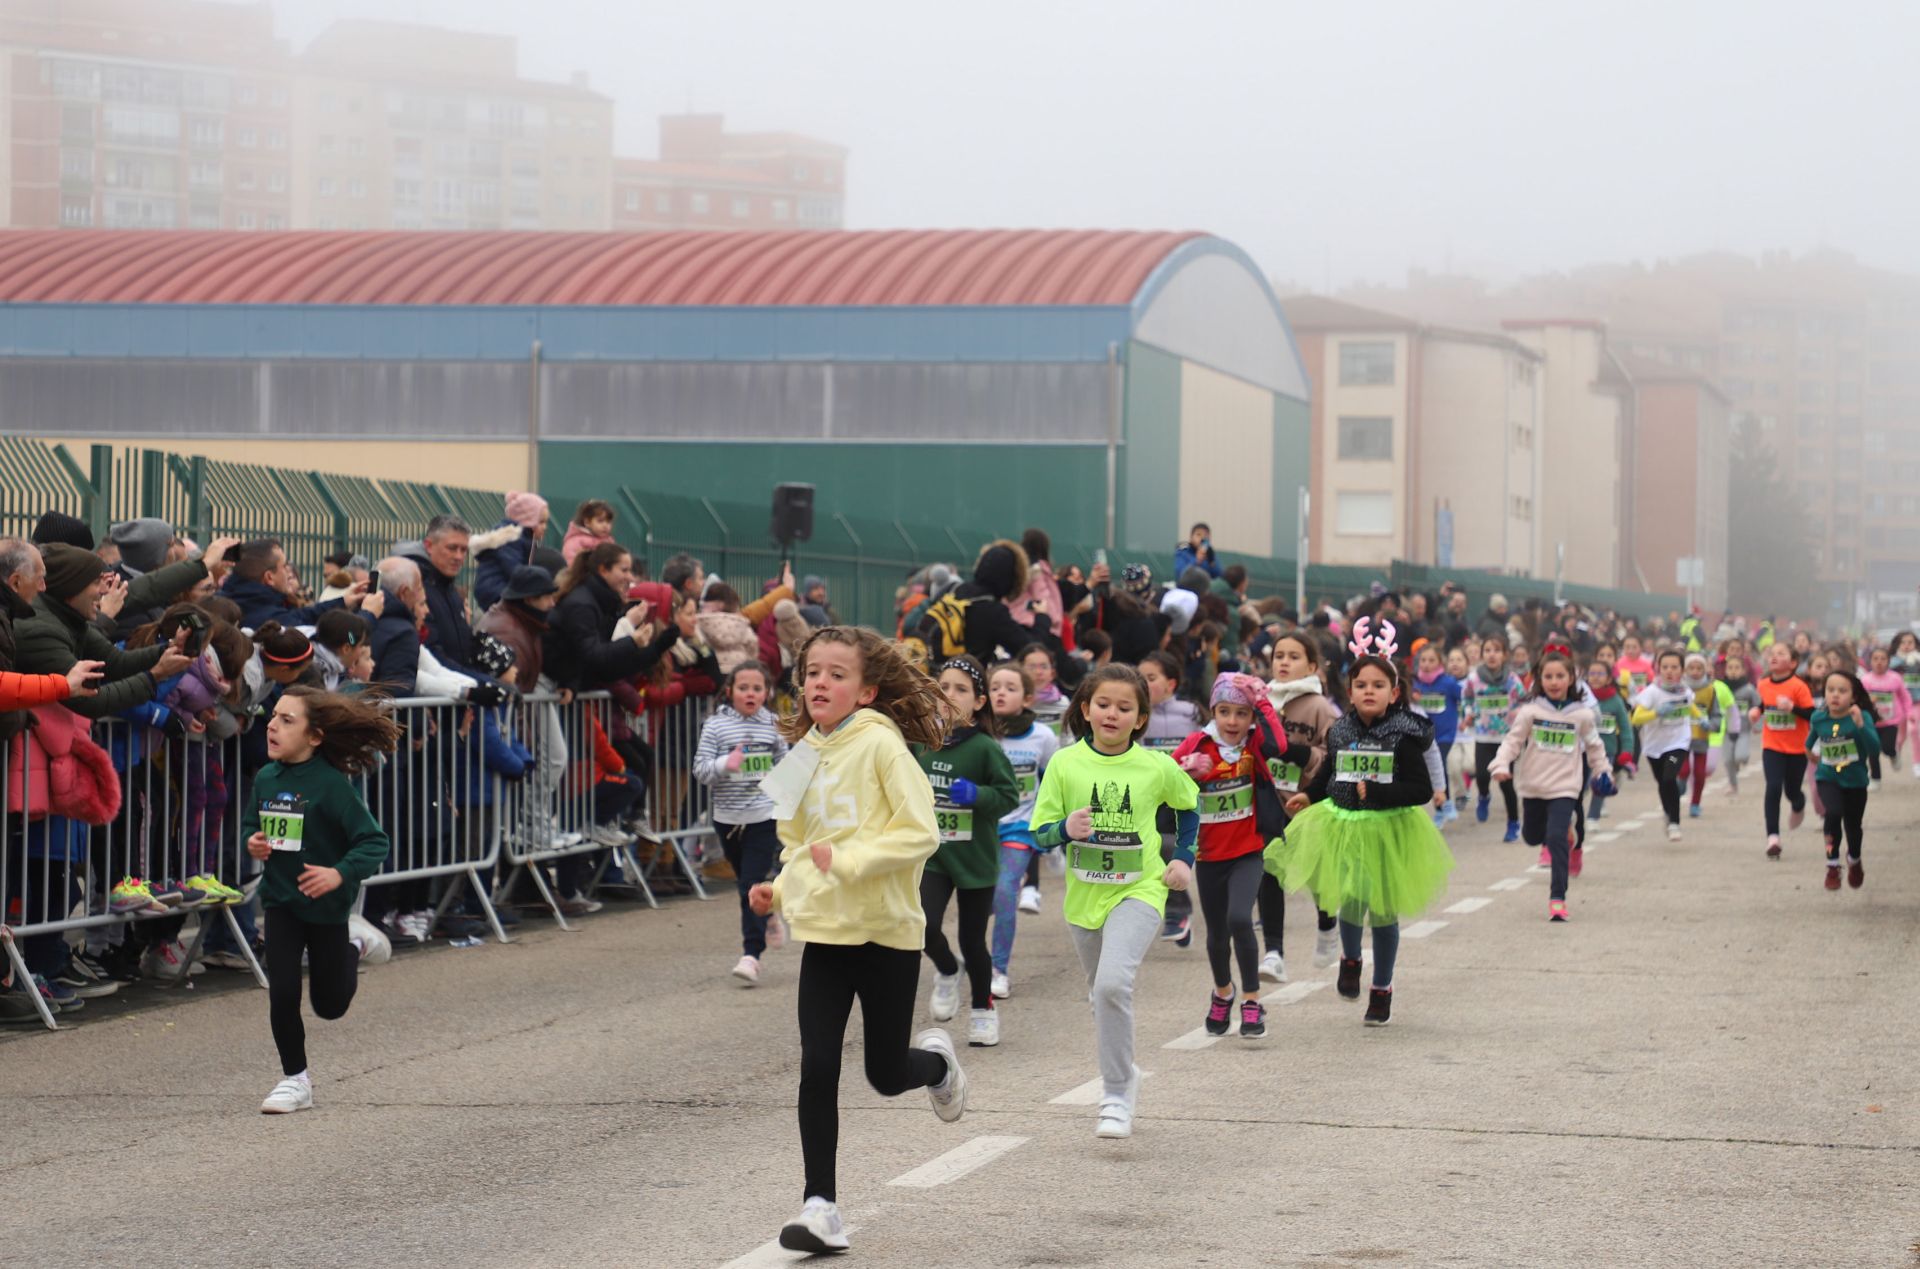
(678, 812)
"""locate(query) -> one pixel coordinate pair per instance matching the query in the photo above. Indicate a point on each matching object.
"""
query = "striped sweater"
(736, 794)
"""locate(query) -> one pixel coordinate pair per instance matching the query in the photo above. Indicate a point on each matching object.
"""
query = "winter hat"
(143, 543)
(70, 569)
(996, 571)
(1180, 605)
(57, 526)
(529, 581)
(526, 509)
(493, 656)
(1137, 579)
(809, 582)
(1196, 579)
(940, 579)
(545, 557)
(1238, 689)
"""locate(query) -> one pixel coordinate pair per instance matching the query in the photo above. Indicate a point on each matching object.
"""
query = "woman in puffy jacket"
(582, 652)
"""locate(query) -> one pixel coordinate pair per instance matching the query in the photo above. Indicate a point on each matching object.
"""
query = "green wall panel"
(1150, 459)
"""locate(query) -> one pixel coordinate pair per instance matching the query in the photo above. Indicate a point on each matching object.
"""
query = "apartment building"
(709, 178)
(1681, 486)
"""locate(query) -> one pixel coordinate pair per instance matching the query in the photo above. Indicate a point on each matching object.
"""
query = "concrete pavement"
(1713, 1064)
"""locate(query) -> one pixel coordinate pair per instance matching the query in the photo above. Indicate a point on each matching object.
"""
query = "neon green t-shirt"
(1125, 793)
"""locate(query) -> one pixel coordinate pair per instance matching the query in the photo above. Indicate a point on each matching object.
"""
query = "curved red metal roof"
(789, 267)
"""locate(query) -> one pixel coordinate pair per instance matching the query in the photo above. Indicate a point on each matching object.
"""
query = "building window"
(277, 181)
(663, 203)
(742, 208)
(76, 165)
(247, 95)
(782, 209)
(1364, 515)
(1366, 439)
(275, 221)
(356, 188)
(76, 214)
(1522, 436)
(700, 204)
(1366, 365)
(633, 200)
(799, 171)
(246, 220)
(243, 179)
(276, 139)
(248, 138)
(328, 187)
(1522, 508)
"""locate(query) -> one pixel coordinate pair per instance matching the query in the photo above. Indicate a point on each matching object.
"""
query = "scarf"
(1280, 693)
(1229, 754)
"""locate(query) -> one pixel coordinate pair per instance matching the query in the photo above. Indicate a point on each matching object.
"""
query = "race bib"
(1675, 713)
(283, 827)
(1363, 762)
(1226, 801)
(1912, 678)
(1779, 720)
(1490, 713)
(1609, 725)
(1639, 679)
(955, 823)
(1882, 703)
(1433, 704)
(1286, 775)
(1026, 775)
(756, 763)
(1106, 865)
(1556, 736)
(1051, 715)
(1165, 744)
(1839, 752)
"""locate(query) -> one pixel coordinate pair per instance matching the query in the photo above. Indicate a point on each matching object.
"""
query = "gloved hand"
(1196, 764)
(1603, 785)
(1629, 764)
(963, 793)
(488, 694)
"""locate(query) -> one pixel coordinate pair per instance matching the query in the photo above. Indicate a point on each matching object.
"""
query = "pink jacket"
(1550, 769)
(55, 767)
(1881, 685)
(1040, 586)
(578, 540)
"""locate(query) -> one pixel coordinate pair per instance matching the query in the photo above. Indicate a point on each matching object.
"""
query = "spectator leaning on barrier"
(581, 650)
(440, 557)
(265, 587)
(396, 631)
(60, 632)
(152, 582)
(507, 547)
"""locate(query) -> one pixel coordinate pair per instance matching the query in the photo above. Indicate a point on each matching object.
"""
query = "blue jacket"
(492, 570)
(1185, 557)
(488, 752)
(261, 603)
(1446, 721)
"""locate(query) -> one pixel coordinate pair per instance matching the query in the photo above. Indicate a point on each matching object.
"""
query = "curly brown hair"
(905, 693)
(353, 731)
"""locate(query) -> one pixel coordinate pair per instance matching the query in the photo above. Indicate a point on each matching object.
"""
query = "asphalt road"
(1713, 1064)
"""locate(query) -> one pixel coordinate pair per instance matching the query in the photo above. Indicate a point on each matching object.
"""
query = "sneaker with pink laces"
(1557, 910)
(1219, 1013)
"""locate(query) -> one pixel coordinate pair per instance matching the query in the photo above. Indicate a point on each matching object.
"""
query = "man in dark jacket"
(264, 587)
(441, 555)
(999, 578)
(60, 632)
(395, 644)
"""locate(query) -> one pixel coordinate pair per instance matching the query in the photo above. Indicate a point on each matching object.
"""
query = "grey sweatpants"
(1111, 956)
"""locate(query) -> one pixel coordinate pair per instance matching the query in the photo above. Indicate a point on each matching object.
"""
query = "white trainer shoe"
(1326, 948)
(1030, 898)
(1116, 1113)
(607, 835)
(290, 1094)
(817, 1229)
(949, 1096)
(1673, 832)
(747, 970)
(945, 1001)
(983, 1028)
(375, 947)
(1002, 986)
(1273, 968)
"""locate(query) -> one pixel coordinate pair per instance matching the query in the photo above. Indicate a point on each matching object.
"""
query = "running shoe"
(1482, 807)
(63, 999)
(1833, 876)
(1175, 929)
(1796, 817)
(216, 890)
(1673, 831)
(1253, 1020)
(82, 983)
(1030, 898)
(1219, 1013)
(1546, 857)
(134, 895)
(290, 1094)
(1273, 967)
(1116, 1113)
(375, 948)
(949, 1096)
(172, 895)
(1773, 846)
(1556, 910)
(747, 970)
(1002, 985)
(163, 961)
(1379, 1007)
(1856, 875)
(983, 1028)
(1348, 983)
(1326, 948)
(1693, 810)
(1513, 831)
(945, 1000)
(818, 1229)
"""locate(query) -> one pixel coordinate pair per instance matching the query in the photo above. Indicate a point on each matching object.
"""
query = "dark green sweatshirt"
(1830, 739)
(313, 803)
(970, 835)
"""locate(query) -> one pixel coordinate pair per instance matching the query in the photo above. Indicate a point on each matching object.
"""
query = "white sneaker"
(1116, 1114)
(949, 1096)
(375, 947)
(163, 960)
(1273, 968)
(415, 925)
(818, 1228)
(290, 1094)
(776, 931)
(945, 1001)
(1030, 898)
(1673, 832)
(747, 970)
(1916, 770)
(1002, 986)
(983, 1028)
(1326, 948)
(607, 835)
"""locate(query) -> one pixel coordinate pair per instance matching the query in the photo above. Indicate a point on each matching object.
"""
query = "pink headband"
(1382, 644)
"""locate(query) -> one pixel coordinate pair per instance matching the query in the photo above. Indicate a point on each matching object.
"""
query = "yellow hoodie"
(868, 797)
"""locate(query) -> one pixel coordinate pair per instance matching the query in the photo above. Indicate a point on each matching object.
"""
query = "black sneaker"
(1379, 1007)
(1219, 1014)
(121, 961)
(1348, 984)
(1253, 1020)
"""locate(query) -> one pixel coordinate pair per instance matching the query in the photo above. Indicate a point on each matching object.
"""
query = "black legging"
(976, 910)
(1846, 812)
(1785, 772)
(1544, 822)
(1228, 890)
(333, 969)
(1483, 753)
(1889, 748)
(1273, 914)
(831, 975)
(1666, 776)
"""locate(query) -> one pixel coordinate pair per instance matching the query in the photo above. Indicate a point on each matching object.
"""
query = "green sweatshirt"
(318, 814)
(1616, 725)
(1841, 748)
(970, 835)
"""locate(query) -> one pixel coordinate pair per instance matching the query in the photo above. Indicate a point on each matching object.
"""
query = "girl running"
(856, 830)
(1439, 695)
(1459, 774)
(1664, 710)
(1364, 846)
(1229, 760)
(1173, 719)
(1492, 692)
(1842, 736)
(1099, 800)
(1906, 663)
(1636, 671)
(1029, 746)
(1050, 709)
(1307, 714)
(1891, 705)
(307, 821)
(1738, 700)
(740, 744)
(1555, 740)
(973, 786)
(1782, 716)
(1698, 679)
(1616, 727)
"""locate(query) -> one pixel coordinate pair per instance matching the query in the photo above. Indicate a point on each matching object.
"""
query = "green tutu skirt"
(1365, 867)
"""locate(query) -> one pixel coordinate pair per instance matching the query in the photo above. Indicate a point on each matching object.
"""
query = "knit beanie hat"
(58, 526)
(1137, 579)
(70, 569)
(525, 509)
(1238, 689)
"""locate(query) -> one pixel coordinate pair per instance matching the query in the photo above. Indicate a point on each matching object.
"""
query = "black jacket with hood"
(1000, 575)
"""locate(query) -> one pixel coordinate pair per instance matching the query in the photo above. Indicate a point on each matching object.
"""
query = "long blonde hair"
(905, 693)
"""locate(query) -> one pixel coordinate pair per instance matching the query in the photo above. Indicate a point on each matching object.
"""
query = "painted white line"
(1420, 929)
(958, 1161)
(1508, 883)
(1539, 868)
(1603, 837)
(1630, 825)
(1467, 905)
(1087, 1094)
(773, 1256)
(1293, 993)
(1194, 1039)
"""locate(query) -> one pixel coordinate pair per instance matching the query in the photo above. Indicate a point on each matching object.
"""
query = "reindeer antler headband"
(1378, 645)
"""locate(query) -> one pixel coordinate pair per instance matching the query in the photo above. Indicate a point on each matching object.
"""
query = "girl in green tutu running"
(1360, 839)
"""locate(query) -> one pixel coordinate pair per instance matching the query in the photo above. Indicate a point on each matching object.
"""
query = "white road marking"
(1508, 883)
(1467, 905)
(1293, 993)
(1087, 1094)
(1539, 868)
(958, 1161)
(1630, 825)
(1420, 929)
(773, 1256)
(1194, 1039)
(1603, 837)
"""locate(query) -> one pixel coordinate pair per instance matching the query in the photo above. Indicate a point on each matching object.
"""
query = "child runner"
(1665, 710)
(1439, 696)
(1174, 718)
(1552, 733)
(1891, 704)
(1230, 760)
(1636, 671)
(1029, 745)
(1744, 698)
(1100, 800)
(1492, 692)
(1906, 663)
(856, 830)
(1616, 727)
(1365, 846)
(1459, 777)
(1698, 679)
(1050, 709)
(1782, 715)
(1841, 736)
(973, 786)
(1306, 712)
(740, 743)
(307, 821)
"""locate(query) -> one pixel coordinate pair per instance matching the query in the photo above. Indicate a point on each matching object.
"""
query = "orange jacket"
(24, 691)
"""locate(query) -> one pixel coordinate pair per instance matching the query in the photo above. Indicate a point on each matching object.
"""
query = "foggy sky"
(1336, 142)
